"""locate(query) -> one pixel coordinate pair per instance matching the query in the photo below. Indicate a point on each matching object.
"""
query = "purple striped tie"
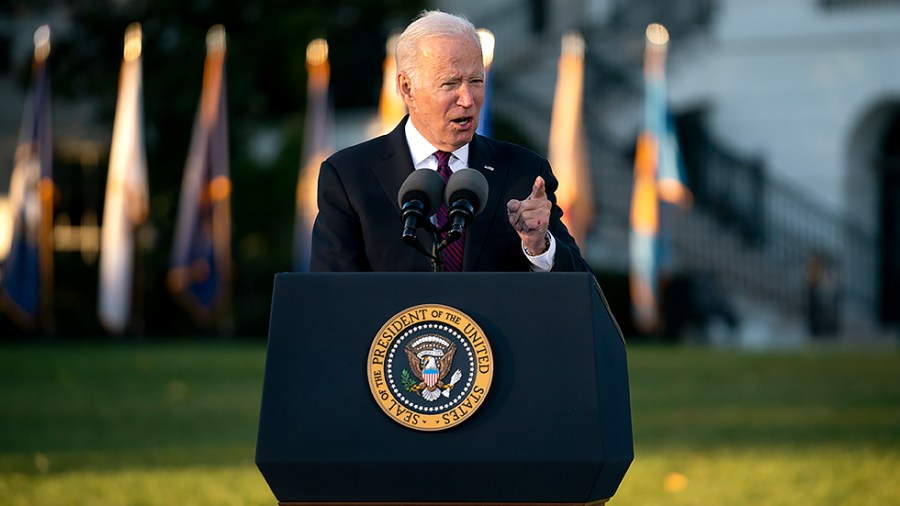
(453, 253)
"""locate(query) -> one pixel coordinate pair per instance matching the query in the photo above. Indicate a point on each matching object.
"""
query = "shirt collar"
(422, 151)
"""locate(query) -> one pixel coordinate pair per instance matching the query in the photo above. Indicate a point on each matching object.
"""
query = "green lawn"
(730, 428)
(175, 423)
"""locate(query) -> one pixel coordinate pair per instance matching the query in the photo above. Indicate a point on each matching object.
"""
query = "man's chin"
(461, 140)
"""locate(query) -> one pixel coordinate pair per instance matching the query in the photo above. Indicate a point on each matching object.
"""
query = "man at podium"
(441, 78)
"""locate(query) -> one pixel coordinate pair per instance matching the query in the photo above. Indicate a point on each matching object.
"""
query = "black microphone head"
(468, 184)
(425, 186)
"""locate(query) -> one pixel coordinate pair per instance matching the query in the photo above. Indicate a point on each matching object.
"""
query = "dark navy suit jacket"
(359, 224)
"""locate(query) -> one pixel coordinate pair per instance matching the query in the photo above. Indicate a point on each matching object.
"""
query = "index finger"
(538, 191)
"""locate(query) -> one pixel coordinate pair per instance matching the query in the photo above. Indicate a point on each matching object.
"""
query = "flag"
(485, 119)
(200, 269)
(658, 187)
(126, 204)
(567, 151)
(673, 193)
(317, 133)
(391, 108)
(26, 281)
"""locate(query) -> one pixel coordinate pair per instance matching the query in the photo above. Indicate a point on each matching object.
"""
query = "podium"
(554, 428)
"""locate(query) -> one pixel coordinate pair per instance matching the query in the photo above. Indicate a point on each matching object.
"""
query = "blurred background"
(780, 121)
(731, 170)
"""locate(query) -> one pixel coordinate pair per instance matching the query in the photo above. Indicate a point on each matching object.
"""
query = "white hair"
(428, 24)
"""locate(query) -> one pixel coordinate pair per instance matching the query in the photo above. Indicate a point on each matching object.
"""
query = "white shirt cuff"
(544, 261)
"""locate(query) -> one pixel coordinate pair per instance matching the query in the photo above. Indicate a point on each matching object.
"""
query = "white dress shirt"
(422, 153)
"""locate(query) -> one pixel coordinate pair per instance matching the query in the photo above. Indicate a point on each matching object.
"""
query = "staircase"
(751, 237)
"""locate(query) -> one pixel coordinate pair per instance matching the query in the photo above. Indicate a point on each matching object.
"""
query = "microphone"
(419, 198)
(465, 195)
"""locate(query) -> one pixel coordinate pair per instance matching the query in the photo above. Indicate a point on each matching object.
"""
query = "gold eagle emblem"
(430, 359)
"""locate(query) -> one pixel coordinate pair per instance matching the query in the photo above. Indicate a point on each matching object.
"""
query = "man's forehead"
(443, 44)
(447, 60)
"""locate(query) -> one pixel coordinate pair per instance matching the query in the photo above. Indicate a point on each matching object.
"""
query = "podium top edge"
(426, 274)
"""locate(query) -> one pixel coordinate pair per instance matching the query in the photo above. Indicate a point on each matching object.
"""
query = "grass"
(130, 424)
(175, 423)
(721, 427)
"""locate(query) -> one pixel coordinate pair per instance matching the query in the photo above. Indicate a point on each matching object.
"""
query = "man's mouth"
(465, 121)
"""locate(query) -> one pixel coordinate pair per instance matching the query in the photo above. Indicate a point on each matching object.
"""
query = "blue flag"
(658, 188)
(27, 270)
(200, 269)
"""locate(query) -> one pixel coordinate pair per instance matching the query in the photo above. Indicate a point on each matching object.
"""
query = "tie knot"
(443, 165)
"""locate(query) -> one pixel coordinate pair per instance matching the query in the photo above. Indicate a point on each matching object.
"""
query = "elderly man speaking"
(440, 75)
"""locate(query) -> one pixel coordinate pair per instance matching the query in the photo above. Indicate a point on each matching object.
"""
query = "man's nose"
(465, 98)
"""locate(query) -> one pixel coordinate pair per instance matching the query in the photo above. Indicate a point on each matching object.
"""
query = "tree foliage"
(266, 82)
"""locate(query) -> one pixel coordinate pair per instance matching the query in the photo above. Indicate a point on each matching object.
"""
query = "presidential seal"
(430, 367)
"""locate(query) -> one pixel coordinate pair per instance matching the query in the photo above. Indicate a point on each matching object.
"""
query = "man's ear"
(404, 87)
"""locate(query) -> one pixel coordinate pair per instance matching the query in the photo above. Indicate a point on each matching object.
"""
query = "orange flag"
(567, 151)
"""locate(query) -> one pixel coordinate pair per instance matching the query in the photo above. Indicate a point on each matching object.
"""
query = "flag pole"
(220, 190)
(46, 193)
(317, 141)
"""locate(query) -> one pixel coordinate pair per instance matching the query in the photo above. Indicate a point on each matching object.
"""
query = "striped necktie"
(453, 253)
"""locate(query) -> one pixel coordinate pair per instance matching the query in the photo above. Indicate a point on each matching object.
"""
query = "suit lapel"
(482, 157)
(392, 170)
(395, 164)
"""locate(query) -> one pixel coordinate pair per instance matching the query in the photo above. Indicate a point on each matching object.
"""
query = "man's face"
(445, 101)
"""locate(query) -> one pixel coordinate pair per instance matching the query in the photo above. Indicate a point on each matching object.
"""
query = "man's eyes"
(456, 83)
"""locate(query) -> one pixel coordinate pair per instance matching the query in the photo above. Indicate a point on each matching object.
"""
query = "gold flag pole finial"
(656, 49)
(133, 42)
(573, 44)
(317, 52)
(42, 43)
(215, 39)
(657, 34)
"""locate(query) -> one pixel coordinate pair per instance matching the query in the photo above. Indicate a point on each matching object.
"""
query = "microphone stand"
(437, 246)
(435, 256)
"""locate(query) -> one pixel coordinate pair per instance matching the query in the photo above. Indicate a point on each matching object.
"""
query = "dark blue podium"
(555, 427)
